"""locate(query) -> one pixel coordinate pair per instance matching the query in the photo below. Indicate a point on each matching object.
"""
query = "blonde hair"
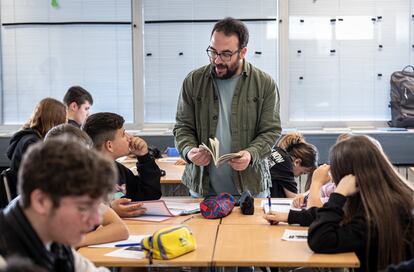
(48, 113)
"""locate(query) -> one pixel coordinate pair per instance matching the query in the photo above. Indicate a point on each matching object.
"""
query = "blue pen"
(270, 204)
(127, 245)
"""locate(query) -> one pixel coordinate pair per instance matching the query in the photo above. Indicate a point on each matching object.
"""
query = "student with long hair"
(48, 113)
(291, 157)
(370, 212)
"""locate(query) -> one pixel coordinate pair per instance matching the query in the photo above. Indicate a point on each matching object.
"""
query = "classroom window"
(87, 43)
(341, 56)
(176, 35)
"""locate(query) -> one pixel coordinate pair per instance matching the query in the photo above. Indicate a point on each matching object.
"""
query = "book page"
(156, 207)
(227, 157)
(214, 150)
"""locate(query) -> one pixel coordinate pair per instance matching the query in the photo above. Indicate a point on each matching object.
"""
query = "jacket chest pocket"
(252, 110)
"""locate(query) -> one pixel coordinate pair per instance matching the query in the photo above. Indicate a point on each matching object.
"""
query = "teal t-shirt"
(221, 177)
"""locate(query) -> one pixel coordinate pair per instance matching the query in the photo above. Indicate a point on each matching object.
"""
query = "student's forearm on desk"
(112, 229)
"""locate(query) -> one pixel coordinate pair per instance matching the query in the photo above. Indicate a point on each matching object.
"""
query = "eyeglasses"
(224, 56)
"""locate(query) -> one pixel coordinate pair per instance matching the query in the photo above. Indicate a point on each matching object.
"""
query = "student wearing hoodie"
(47, 114)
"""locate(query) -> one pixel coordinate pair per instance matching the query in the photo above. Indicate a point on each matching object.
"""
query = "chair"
(5, 192)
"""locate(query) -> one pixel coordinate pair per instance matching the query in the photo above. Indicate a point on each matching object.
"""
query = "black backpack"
(402, 98)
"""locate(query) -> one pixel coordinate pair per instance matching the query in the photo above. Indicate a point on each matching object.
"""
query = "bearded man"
(235, 102)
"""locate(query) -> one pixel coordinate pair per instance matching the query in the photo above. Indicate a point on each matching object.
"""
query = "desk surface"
(237, 218)
(261, 245)
(173, 173)
(200, 257)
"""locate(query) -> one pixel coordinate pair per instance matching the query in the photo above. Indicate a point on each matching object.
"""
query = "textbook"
(215, 153)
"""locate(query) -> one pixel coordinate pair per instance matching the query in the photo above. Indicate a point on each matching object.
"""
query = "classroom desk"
(236, 240)
(201, 257)
(261, 245)
(173, 173)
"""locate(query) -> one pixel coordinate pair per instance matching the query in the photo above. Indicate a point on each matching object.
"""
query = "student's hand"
(199, 156)
(123, 210)
(347, 186)
(298, 201)
(276, 217)
(239, 164)
(138, 146)
(321, 175)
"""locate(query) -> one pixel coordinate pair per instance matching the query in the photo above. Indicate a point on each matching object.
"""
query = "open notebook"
(160, 210)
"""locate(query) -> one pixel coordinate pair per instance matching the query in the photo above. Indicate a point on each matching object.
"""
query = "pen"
(270, 204)
(270, 208)
(185, 220)
(128, 244)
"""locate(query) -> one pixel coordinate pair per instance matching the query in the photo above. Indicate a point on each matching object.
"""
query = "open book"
(160, 210)
(215, 154)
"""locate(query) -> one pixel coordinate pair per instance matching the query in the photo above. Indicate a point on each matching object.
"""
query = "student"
(109, 137)
(291, 157)
(79, 102)
(47, 114)
(320, 190)
(112, 227)
(370, 212)
(61, 186)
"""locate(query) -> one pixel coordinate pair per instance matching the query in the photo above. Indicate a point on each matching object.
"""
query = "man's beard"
(231, 71)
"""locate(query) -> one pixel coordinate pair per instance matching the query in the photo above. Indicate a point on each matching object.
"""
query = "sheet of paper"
(131, 239)
(295, 235)
(152, 218)
(126, 253)
(278, 205)
(156, 207)
(178, 208)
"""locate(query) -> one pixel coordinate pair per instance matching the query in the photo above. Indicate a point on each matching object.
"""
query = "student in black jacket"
(291, 157)
(108, 135)
(47, 114)
(370, 212)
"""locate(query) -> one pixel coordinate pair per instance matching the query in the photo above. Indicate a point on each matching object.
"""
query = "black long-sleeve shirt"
(328, 235)
(145, 186)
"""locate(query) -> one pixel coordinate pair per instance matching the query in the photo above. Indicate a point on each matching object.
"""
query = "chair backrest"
(5, 192)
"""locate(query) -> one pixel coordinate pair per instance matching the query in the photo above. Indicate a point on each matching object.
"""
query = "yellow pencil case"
(169, 243)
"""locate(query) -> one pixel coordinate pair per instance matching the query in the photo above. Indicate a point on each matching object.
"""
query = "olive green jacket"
(255, 125)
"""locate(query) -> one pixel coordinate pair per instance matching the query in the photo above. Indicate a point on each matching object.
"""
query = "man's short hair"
(62, 167)
(230, 26)
(77, 94)
(70, 130)
(102, 126)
